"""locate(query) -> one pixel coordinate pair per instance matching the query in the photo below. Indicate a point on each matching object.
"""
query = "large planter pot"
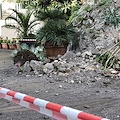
(54, 50)
(12, 46)
(29, 42)
(4, 45)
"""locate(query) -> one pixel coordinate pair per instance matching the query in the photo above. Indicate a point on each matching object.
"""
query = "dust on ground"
(96, 94)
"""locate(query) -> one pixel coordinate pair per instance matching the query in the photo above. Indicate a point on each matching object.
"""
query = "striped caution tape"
(53, 110)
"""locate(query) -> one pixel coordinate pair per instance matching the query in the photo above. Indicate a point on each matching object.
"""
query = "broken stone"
(60, 86)
(113, 71)
(90, 68)
(87, 54)
(48, 68)
(26, 67)
(78, 54)
(86, 106)
(69, 56)
(37, 66)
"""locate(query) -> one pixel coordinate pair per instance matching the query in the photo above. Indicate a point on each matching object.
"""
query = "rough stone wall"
(94, 35)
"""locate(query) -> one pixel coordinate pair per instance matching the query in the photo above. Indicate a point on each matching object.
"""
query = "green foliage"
(74, 13)
(80, 18)
(112, 17)
(56, 32)
(86, 7)
(5, 41)
(24, 25)
(96, 1)
(30, 36)
(102, 2)
(53, 14)
(109, 58)
(13, 53)
(56, 29)
(13, 41)
(24, 46)
(8, 41)
(64, 5)
(1, 41)
(38, 51)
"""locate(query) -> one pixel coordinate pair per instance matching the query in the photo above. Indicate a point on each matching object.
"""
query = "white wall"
(2, 22)
(7, 5)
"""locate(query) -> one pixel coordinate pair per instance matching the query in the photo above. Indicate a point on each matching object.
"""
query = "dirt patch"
(96, 94)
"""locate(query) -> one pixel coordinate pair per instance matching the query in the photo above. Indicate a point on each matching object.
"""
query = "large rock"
(69, 56)
(37, 66)
(48, 68)
(26, 67)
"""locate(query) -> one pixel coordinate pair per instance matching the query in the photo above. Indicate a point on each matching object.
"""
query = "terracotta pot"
(54, 50)
(4, 45)
(12, 46)
(17, 46)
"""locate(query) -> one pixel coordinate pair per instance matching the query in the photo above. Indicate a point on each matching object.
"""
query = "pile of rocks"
(63, 65)
(67, 66)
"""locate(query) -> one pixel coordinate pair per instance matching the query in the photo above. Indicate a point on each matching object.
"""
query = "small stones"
(51, 81)
(56, 94)
(86, 106)
(107, 82)
(36, 92)
(72, 81)
(60, 86)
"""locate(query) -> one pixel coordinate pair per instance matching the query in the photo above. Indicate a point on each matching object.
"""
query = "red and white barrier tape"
(53, 110)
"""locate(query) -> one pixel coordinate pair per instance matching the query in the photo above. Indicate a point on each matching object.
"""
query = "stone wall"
(94, 34)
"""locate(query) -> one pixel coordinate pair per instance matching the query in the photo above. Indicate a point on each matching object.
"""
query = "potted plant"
(4, 44)
(12, 44)
(56, 34)
(17, 44)
(24, 26)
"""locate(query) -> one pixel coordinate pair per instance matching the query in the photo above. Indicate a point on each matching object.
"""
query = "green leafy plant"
(0, 41)
(102, 2)
(86, 7)
(109, 58)
(112, 17)
(74, 12)
(56, 30)
(38, 51)
(13, 41)
(5, 41)
(24, 26)
(13, 53)
(8, 41)
(52, 14)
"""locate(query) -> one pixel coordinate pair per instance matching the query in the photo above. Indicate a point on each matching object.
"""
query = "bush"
(111, 17)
